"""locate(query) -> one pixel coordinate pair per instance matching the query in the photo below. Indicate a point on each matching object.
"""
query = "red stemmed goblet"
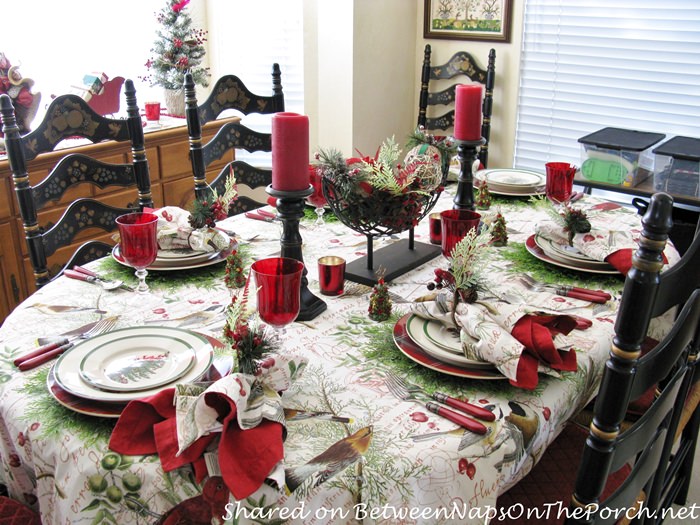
(317, 198)
(278, 280)
(138, 243)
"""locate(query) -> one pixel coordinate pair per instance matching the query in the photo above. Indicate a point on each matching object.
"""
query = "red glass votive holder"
(331, 274)
(455, 225)
(560, 181)
(152, 111)
(435, 223)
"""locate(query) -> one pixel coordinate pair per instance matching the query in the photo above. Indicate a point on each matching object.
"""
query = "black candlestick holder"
(466, 153)
(290, 209)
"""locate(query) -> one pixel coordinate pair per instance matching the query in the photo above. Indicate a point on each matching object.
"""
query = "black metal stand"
(466, 152)
(290, 209)
(394, 260)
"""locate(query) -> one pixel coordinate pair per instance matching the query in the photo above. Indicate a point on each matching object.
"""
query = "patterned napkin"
(602, 243)
(519, 340)
(175, 232)
(245, 412)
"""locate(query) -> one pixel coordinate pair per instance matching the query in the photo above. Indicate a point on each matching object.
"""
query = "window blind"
(586, 65)
(245, 39)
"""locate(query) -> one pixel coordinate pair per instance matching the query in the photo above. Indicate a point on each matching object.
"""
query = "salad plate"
(138, 362)
(69, 375)
(415, 327)
(537, 252)
(415, 353)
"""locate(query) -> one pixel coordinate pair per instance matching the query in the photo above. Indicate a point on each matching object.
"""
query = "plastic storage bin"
(677, 166)
(618, 156)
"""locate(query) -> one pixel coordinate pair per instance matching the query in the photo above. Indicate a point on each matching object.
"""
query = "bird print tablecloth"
(353, 453)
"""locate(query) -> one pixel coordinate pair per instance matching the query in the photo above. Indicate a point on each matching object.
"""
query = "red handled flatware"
(44, 353)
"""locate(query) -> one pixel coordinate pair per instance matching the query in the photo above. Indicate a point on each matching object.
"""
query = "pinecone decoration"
(499, 234)
(575, 221)
(483, 196)
(201, 215)
(379, 302)
(234, 278)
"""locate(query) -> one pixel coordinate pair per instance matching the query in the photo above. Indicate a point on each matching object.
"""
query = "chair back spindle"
(70, 116)
(230, 93)
(461, 63)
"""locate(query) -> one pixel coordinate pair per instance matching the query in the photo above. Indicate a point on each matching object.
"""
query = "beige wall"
(362, 77)
(359, 72)
(505, 95)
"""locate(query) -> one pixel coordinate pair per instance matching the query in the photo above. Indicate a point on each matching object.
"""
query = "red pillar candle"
(468, 112)
(290, 151)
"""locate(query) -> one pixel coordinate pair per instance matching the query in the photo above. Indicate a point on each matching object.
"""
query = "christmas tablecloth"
(353, 452)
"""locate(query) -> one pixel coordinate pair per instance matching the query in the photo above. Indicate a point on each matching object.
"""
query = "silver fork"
(593, 296)
(464, 406)
(463, 421)
(46, 352)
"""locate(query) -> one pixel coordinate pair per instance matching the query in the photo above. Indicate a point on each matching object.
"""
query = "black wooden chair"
(657, 475)
(229, 93)
(461, 63)
(70, 116)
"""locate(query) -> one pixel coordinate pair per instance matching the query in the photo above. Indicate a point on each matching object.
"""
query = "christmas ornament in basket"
(381, 196)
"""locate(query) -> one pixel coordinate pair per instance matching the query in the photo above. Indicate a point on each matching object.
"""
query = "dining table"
(353, 452)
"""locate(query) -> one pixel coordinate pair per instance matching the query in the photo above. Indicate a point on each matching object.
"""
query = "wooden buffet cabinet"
(172, 184)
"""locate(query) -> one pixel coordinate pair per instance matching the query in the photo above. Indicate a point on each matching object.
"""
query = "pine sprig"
(247, 338)
(206, 212)
(385, 172)
(468, 258)
(573, 220)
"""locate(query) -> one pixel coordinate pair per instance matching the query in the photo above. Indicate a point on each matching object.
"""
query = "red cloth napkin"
(536, 333)
(148, 426)
(621, 260)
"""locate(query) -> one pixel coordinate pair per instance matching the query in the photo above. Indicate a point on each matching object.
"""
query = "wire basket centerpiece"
(381, 196)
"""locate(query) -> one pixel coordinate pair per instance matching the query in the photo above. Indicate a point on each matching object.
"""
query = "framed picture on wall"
(468, 19)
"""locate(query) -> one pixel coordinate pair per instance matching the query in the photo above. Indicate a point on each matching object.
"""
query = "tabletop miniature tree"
(482, 199)
(379, 301)
(179, 48)
(499, 233)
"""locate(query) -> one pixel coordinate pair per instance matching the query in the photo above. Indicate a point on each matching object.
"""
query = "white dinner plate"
(138, 362)
(414, 328)
(553, 250)
(173, 265)
(182, 256)
(68, 372)
(513, 182)
(540, 254)
(415, 353)
(514, 179)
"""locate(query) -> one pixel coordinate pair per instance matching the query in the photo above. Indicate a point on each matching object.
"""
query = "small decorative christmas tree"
(499, 235)
(483, 196)
(178, 49)
(379, 302)
(234, 278)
